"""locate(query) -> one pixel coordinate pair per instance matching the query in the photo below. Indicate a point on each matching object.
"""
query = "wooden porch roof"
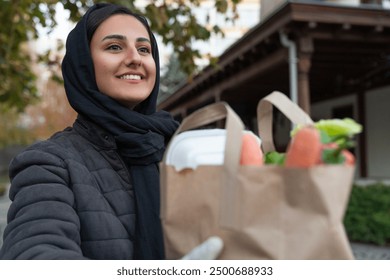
(340, 50)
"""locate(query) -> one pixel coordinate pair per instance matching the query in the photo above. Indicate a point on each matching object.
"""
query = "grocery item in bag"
(190, 149)
(260, 212)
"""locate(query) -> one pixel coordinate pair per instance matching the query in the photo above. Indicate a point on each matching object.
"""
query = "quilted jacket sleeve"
(42, 221)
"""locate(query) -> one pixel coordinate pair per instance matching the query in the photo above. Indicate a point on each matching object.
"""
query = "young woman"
(92, 190)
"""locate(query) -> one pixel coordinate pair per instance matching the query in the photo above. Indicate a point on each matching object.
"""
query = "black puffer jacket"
(72, 199)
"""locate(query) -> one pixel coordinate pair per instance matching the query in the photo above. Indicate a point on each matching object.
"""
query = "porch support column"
(305, 50)
(217, 98)
(361, 104)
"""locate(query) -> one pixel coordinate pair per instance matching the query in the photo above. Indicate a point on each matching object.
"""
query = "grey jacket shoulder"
(71, 199)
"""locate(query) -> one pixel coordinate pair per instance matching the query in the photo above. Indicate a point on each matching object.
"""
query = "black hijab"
(141, 134)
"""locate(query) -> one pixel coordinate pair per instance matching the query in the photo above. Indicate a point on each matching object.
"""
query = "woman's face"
(122, 57)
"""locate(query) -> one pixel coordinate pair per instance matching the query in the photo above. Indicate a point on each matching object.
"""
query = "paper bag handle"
(265, 117)
(234, 127)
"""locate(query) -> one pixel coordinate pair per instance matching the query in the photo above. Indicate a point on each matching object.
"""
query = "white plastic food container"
(198, 147)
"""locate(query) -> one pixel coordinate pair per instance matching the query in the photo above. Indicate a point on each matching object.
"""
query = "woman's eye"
(144, 50)
(114, 48)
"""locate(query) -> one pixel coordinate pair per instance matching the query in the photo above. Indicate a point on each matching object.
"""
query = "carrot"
(304, 149)
(349, 157)
(251, 153)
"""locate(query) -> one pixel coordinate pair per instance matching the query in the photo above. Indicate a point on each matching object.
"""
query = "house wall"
(378, 132)
(269, 6)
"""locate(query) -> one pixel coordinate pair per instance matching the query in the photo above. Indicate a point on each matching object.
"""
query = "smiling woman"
(92, 190)
(124, 66)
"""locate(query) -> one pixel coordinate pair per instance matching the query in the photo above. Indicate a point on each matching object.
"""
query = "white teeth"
(131, 77)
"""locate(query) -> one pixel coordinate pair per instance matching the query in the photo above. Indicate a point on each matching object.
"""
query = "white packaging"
(198, 147)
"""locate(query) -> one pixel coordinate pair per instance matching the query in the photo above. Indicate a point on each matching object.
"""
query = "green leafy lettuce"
(336, 135)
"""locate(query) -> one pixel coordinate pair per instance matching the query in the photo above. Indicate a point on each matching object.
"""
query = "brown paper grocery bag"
(267, 212)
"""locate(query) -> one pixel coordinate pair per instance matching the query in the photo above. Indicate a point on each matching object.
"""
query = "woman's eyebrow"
(114, 36)
(142, 39)
(123, 38)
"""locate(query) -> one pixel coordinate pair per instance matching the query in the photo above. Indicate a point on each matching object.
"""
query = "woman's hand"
(208, 250)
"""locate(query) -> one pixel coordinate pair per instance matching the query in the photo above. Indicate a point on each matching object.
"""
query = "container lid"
(192, 148)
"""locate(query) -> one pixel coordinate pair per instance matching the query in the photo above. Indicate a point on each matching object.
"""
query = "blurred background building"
(331, 57)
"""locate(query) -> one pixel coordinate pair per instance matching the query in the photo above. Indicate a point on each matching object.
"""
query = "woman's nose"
(133, 58)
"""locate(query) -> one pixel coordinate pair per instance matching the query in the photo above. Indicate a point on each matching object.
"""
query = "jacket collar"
(94, 133)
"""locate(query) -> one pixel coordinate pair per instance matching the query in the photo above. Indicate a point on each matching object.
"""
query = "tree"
(173, 20)
(41, 119)
(11, 132)
(172, 77)
(52, 114)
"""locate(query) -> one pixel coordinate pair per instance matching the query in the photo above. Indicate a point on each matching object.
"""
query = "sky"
(48, 41)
